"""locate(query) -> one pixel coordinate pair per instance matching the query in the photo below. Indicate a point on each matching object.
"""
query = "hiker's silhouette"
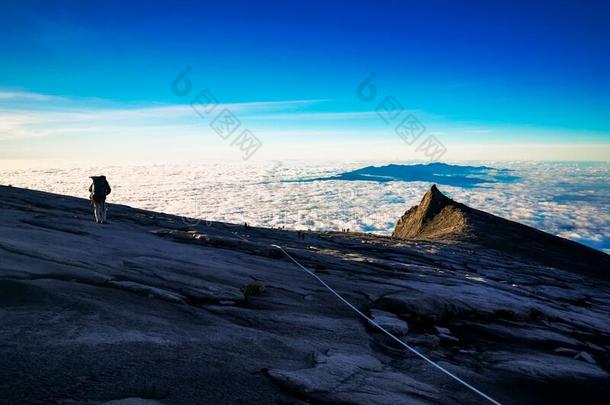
(99, 189)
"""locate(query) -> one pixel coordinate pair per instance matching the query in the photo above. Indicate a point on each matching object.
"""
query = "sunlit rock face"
(438, 217)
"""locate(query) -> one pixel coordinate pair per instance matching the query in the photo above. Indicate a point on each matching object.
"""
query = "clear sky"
(504, 80)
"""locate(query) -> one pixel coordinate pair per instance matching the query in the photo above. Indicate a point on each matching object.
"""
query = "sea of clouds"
(568, 199)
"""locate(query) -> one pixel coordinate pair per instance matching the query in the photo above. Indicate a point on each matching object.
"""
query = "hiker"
(99, 189)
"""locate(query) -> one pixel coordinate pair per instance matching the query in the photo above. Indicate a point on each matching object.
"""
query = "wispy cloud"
(326, 115)
(27, 96)
(27, 115)
(41, 123)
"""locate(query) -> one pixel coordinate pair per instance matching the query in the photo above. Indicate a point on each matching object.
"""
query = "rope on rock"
(411, 349)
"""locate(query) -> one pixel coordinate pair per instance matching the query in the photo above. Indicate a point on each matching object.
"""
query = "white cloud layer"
(567, 199)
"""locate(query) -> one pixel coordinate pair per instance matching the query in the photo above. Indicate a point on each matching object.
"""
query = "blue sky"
(474, 73)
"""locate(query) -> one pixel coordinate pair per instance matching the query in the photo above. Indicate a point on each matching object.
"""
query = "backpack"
(100, 188)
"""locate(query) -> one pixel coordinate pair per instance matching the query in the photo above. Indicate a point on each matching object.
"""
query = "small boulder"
(390, 322)
(584, 356)
(442, 331)
(565, 351)
(447, 339)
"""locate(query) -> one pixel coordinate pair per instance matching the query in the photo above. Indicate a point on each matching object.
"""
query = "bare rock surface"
(547, 367)
(390, 322)
(152, 309)
(438, 217)
(349, 378)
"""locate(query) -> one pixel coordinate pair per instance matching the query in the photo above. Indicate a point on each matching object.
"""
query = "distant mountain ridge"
(442, 173)
(438, 217)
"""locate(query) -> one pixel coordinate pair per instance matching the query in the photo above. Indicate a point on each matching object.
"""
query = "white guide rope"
(432, 363)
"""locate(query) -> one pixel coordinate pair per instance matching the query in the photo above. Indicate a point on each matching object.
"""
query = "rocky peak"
(434, 201)
(436, 216)
(440, 218)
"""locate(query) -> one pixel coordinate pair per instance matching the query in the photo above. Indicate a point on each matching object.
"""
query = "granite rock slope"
(147, 309)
